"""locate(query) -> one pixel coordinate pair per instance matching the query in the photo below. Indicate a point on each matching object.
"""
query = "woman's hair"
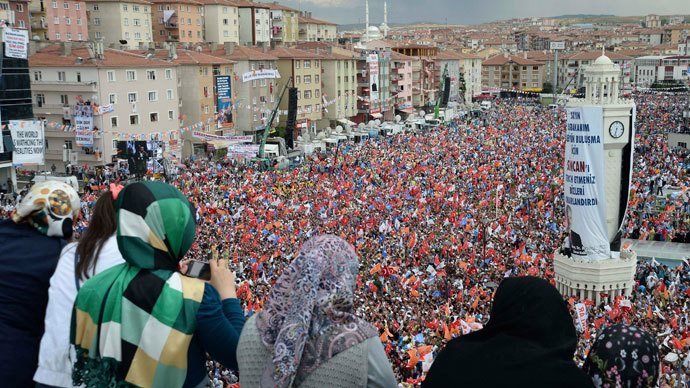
(102, 225)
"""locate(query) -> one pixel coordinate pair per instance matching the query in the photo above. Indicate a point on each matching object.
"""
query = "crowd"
(438, 220)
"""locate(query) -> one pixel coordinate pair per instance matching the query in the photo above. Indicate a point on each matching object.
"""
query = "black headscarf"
(624, 352)
(529, 341)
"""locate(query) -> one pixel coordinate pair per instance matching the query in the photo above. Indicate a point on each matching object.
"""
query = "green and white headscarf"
(132, 324)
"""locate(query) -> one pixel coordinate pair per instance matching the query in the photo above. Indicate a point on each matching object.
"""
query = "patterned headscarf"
(51, 207)
(307, 319)
(132, 324)
(623, 355)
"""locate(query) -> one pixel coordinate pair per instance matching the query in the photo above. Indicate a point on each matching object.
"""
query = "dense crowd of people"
(438, 220)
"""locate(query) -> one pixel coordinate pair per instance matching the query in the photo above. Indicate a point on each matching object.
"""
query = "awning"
(408, 110)
(377, 115)
(348, 122)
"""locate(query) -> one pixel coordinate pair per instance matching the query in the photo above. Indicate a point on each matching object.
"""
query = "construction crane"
(264, 162)
(441, 86)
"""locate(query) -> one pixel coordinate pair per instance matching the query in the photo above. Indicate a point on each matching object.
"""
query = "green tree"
(547, 87)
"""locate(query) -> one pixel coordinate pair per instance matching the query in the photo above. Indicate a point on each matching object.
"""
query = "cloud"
(332, 3)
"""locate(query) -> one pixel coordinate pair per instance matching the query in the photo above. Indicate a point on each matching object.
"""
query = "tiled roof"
(500, 60)
(120, 1)
(243, 53)
(303, 19)
(290, 53)
(50, 56)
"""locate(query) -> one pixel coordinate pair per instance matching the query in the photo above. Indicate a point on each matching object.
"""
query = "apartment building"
(571, 68)
(115, 22)
(17, 13)
(401, 82)
(221, 21)
(646, 70)
(652, 21)
(513, 72)
(58, 20)
(423, 72)
(339, 83)
(255, 85)
(255, 23)
(141, 93)
(284, 24)
(315, 30)
(306, 71)
(450, 60)
(471, 73)
(5, 12)
(177, 21)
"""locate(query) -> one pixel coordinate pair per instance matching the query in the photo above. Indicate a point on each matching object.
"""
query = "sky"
(478, 11)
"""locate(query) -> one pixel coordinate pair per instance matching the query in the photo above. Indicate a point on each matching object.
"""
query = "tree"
(547, 87)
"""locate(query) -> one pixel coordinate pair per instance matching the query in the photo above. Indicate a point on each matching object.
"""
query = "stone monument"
(598, 166)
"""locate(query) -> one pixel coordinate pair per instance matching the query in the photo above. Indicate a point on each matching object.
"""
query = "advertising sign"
(27, 137)
(231, 139)
(585, 199)
(83, 121)
(224, 95)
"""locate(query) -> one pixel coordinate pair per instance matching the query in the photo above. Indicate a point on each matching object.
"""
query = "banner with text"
(245, 150)
(230, 139)
(260, 74)
(373, 64)
(16, 42)
(581, 316)
(584, 184)
(27, 137)
(83, 123)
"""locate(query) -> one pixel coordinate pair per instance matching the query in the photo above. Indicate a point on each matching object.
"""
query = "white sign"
(74, 157)
(231, 139)
(106, 109)
(557, 46)
(16, 42)
(373, 63)
(584, 184)
(27, 137)
(83, 121)
(244, 150)
(581, 316)
(260, 74)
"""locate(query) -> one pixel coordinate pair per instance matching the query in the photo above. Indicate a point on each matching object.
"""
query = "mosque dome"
(603, 61)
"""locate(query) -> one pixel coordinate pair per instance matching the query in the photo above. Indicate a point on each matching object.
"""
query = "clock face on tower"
(616, 129)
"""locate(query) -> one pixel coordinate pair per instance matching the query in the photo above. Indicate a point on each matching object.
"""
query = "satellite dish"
(149, 56)
(299, 139)
(36, 38)
(369, 123)
(360, 126)
(397, 118)
(422, 113)
(79, 61)
(377, 121)
(339, 129)
(123, 41)
(321, 136)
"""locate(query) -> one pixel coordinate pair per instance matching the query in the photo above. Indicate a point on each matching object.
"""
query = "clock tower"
(599, 145)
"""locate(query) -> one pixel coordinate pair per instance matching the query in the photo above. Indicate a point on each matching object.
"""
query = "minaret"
(366, 29)
(385, 20)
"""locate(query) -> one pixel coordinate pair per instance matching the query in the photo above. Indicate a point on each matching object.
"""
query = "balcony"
(172, 38)
(47, 109)
(58, 86)
(170, 25)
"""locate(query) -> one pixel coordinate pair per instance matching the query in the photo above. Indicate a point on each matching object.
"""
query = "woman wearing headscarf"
(307, 335)
(95, 252)
(31, 245)
(529, 341)
(143, 323)
(623, 355)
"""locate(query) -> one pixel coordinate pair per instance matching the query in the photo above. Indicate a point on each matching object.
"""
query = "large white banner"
(27, 137)
(584, 184)
(581, 316)
(83, 121)
(373, 64)
(260, 74)
(16, 42)
(230, 139)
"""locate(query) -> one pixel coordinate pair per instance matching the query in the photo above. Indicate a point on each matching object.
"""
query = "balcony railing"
(170, 25)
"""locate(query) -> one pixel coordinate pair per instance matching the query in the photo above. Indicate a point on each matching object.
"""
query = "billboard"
(224, 102)
(584, 177)
(557, 46)
(28, 140)
(373, 65)
(83, 122)
(140, 154)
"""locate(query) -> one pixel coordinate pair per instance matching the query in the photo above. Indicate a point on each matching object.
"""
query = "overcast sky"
(478, 11)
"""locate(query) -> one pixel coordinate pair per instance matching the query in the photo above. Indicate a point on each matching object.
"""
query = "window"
(225, 22)
(81, 37)
(206, 109)
(124, 7)
(54, 4)
(297, 79)
(160, 7)
(133, 119)
(137, 35)
(254, 83)
(125, 21)
(307, 64)
(40, 99)
(68, 144)
(95, 7)
(299, 95)
(153, 117)
(153, 96)
(135, 8)
(297, 64)
(68, 21)
(97, 34)
(225, 9)
(316, 93)
(66, 4)
(226, 33)
(64, 100)
(162, 33)
(112, 98)
(307, 79)
(131, 75)
(38, 76)
(113, 123)
(183, 33)
(151, 75)
(316, 79)
(78, 77)
(61, 76)
(127, 34)
(316, 63)
(263, 82)
(307, 94)
(78, 20)
(146, 22)
(136, 22)
(181, 20)
(170, 94)
(110, 75)
(21, 23)
(171, 115)
(77, 6)
(56, 20)
(168, 73)
(97, 21)
(20, 7)
(132, 97)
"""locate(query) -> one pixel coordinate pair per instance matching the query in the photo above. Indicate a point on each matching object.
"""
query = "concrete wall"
(674, 140)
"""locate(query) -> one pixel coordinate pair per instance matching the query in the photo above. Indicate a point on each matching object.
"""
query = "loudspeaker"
(291, 118)
(446, 92)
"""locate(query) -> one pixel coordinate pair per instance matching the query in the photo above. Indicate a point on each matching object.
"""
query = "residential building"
(646, 70)
(571, 68)
(6, 15)
(423, 72)
(375, 92)
(652, 21)
(339, 85)
(255, 85)
(450, 61)
(19, 11)
(255, 23)
(652, 37)
(511, 72)
(315, 30)
(471, 73)
(221, 21)
(284, 24)
(676, 34)
(177, 21)
(401, 82)
(59, 20)
(676, 19)
(306, 71)
(115, 22)
(141, 91)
